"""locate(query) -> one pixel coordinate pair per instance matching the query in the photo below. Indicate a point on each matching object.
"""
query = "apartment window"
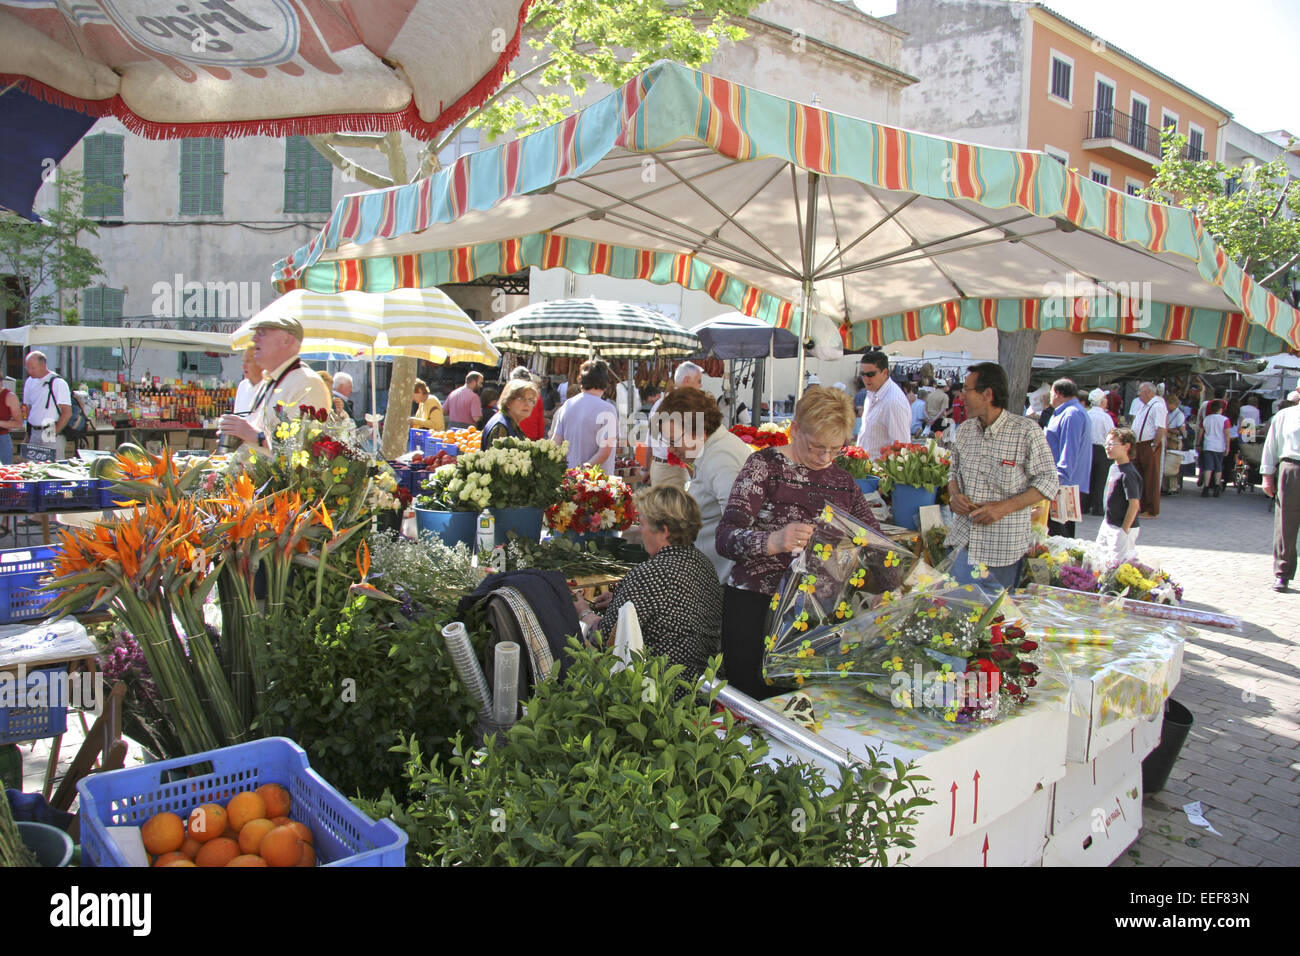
(1195, 142)
(203, 172)
(101, 306)
(104, 170)
(1138, 126)
(1231, 184)
(466, 141)
(308, 177)
(200, 303)
(1060, 155)
(1103, 116)
(1133, 187)
(1100, 174)
(1062, 80)
(1169, 120)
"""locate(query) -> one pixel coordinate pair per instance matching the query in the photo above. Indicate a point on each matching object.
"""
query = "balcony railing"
(1112, 124)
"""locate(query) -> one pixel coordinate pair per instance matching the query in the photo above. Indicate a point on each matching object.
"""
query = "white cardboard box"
(1098, 837)
(1086, 785)
(1094, 724)
(1017, 838)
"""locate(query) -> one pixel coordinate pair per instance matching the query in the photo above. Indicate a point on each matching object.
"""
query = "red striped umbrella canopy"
(262, 67)
(775, 208)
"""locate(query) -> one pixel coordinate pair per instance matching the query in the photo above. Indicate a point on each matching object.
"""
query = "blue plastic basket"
(35, 722)
(59, 495)
(107, 497)
(415, 439)
(21, 570)
(17, 495)
(344, 836)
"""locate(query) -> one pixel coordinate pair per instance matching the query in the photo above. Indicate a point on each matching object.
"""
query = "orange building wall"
(1051, 123)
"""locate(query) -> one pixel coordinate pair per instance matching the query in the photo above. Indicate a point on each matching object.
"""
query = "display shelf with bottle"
(175, 403)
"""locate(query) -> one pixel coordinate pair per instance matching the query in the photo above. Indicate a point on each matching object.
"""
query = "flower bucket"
(453, 527)
(524, 522)
(868, 484)
(907, 502)
(1173, 734)
(53, 847)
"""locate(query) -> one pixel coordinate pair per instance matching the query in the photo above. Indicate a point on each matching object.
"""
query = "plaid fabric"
(539, 651)
(579, 327)
(994, 464)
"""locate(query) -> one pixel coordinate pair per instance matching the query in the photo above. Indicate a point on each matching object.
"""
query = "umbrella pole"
(771, 378)
(809, 241)
(374, 404)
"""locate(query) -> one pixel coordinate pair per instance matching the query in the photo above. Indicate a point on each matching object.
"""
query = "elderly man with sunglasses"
(886, 412)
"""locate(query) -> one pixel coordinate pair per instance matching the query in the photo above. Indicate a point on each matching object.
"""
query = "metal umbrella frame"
(784, 211)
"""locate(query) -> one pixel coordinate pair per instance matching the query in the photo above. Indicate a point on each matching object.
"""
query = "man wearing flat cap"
(287, 381)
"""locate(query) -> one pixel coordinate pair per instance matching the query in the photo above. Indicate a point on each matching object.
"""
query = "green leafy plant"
(606, 769)
(513, 473)
(919, 465)
(349, 679)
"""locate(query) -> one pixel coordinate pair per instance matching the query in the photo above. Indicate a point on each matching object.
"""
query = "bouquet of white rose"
(513, 473)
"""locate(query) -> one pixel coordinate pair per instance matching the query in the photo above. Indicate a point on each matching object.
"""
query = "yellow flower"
(828, 513)
(843, 667)
(860, 539)
(301, 459)
(892, 560)
(776, 598)
(947, 638)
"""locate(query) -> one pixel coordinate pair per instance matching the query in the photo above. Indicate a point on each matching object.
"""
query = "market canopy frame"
(773, 207)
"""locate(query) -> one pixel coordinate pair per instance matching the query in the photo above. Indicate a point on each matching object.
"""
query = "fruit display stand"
(129, 798)
(1059, 783)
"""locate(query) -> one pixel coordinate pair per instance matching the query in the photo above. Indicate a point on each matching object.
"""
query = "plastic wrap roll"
(505, 702)
(462, 658)
(1162, 612)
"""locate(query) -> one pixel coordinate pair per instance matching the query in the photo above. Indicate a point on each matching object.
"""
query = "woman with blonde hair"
(769, 519)
(514, 405)
(676, 593)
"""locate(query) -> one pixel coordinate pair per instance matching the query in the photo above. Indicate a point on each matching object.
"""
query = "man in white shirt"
(288, 382)
(918, 408)
(246, 391)
(1149, 452)
(1280, 468)
(48, 401)
(1099, 423)
(886, 414)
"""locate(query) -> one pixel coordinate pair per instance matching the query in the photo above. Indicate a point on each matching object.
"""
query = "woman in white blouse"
(691, 424)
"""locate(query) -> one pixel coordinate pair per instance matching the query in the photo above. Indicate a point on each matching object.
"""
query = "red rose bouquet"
(855, 461)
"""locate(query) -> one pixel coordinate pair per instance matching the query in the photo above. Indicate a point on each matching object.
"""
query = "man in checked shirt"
(1001, 468)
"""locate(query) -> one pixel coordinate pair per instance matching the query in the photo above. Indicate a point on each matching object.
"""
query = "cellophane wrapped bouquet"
(946, 651)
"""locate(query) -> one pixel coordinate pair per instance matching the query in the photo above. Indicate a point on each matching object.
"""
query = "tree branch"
(367, 176)
(1280, 269)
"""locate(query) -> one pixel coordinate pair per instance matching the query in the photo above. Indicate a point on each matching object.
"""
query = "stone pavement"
(1242, 758)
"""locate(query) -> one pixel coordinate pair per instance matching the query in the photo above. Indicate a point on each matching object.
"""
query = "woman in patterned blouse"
(769, 518)
(677, 596)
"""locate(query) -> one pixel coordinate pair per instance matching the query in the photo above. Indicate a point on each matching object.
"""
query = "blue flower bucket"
(524, 522)
(907, 502)
(868, 485)
(453, 527)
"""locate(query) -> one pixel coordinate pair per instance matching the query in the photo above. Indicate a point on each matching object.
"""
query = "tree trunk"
(397, 420)
(1016, 356)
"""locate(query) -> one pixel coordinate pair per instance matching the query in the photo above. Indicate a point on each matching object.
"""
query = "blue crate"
(21, 570)
(415, 439)
(54, 494)
(344, 836)
(18, 496)
(43, 720)
(108, 498)
(415, 479)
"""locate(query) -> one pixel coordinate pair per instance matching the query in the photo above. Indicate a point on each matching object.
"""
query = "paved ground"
(1242, 759)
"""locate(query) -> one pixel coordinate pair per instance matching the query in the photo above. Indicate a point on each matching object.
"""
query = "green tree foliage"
(47, 256)
(1258, 224)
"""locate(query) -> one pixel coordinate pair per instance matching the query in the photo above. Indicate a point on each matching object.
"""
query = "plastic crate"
(20, 572)
(344, 836)
(33, 723)
(415, 439)
(107, 497)
(18, 495)
(60, 495)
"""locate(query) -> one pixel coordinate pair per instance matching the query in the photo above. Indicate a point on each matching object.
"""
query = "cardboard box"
(1017, 838)
(1108, 697)
(1086, 786)
(1098, 837)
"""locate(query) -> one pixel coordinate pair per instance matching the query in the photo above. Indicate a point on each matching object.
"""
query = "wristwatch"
(261, 438)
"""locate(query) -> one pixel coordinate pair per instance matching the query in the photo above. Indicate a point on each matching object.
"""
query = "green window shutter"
(308, 177)
(105, 175)
(101, 307)
(203, 173)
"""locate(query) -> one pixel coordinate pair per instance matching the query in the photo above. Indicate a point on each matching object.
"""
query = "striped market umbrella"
(783, 211)
(589, 328)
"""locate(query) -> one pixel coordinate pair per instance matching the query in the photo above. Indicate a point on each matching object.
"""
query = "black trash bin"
(1173, 734)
